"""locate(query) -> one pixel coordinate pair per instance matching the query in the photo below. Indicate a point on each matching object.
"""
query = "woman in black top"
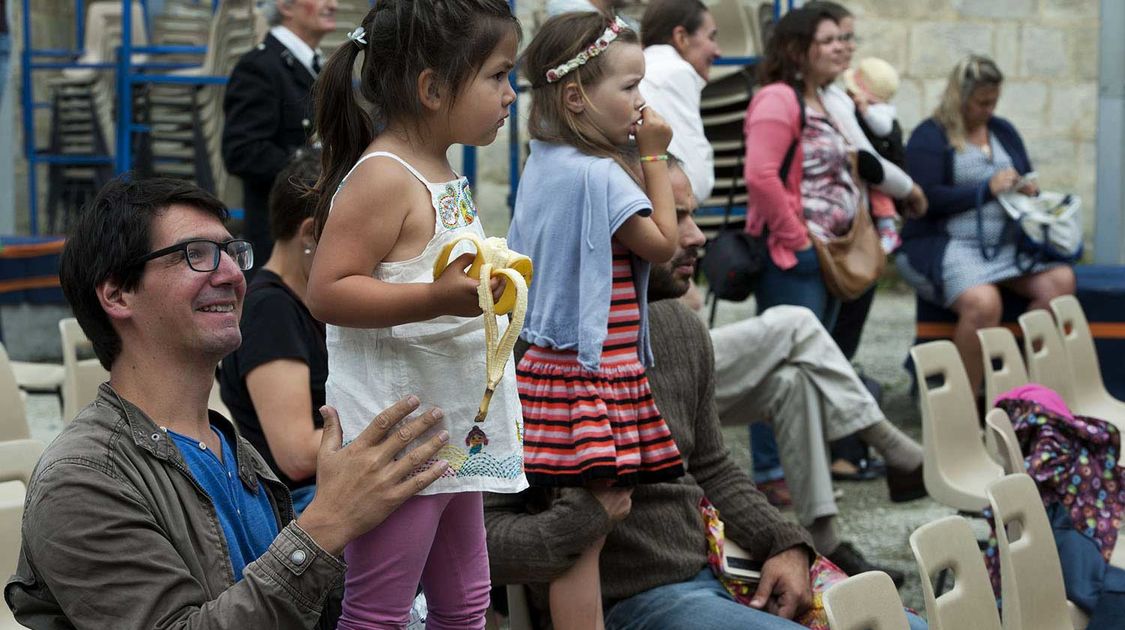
(274, 383)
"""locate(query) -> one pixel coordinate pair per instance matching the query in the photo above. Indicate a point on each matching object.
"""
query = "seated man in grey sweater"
(654, 563)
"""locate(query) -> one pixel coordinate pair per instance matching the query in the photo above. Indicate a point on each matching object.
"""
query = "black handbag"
(734, 260)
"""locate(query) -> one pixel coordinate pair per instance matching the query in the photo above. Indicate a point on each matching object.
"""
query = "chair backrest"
(17, 459)
(1082, 358)
(1046, 357)
(868, 601)
(737, 35)
(1031, 581)
(81, 376)
(11, 518)
(13, 414)
(957, 466)
(999, 426)
(1003, 363)
(949, 544)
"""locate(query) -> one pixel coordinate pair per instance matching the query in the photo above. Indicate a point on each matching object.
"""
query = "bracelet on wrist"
(663, 157)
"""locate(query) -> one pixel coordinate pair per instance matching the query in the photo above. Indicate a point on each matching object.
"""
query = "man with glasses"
(149, 510)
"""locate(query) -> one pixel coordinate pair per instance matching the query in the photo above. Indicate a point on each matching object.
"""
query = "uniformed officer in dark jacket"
(268, 105)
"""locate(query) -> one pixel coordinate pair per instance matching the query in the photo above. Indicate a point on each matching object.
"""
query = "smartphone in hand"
(737, 563)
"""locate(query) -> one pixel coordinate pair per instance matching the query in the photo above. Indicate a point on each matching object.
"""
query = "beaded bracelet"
(663, 157)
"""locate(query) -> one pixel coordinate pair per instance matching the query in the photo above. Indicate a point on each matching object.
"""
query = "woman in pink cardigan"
(805, 52)
(799, 181)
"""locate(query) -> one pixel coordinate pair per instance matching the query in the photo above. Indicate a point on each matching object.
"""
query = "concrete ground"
(877, 527)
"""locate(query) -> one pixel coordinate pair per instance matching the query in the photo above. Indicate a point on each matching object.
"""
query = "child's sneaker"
(888, 235)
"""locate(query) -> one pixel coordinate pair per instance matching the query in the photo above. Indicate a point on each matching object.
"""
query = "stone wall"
(1046, 48)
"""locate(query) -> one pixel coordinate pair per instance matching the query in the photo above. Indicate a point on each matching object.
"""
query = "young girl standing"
(592, 232)
(435, 74)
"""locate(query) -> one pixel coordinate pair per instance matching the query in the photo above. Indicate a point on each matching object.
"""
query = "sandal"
(865, 470)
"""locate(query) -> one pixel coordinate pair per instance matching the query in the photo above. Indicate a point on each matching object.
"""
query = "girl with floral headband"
(593, 230)
(434, 74)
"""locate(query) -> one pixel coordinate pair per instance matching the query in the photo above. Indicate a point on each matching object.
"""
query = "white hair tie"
(357, 36)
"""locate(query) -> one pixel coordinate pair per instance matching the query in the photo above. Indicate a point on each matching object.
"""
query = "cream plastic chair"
(1003, 370)
(868, 601)
(949, 543)
(1046, 357)
(13, 413)
(1003, 363)
(1031, 580)
(737, 34)
(1090, 395)
(11, 516)
(957, 467)
(38, 378)
(82, 376)
(17, 459)
(999, 426)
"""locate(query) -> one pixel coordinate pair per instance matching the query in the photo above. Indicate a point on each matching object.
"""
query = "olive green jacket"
(118, 534)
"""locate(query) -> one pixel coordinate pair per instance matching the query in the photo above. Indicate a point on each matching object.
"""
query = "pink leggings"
(437, 540)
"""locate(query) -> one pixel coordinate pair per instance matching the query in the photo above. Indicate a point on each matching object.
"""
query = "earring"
(308, 251)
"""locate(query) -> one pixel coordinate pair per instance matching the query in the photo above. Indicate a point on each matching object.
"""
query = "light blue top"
(568, 207)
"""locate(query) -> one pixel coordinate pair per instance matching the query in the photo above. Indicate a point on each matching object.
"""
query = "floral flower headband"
(598, 47)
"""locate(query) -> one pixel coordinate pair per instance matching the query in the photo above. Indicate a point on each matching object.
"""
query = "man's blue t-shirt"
(246, 517)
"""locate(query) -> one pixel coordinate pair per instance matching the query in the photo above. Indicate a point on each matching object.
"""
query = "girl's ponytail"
(342, 126)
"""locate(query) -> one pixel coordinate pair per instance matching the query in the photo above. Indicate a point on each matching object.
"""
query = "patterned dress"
(441, 360)
(965, 265)
(582, 426)
(829, 194)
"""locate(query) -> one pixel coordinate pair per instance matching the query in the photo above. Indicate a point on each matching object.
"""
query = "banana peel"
(494, 251)
(494, 259)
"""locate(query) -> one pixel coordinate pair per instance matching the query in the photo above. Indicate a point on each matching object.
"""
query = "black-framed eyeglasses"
(843, 38)
(203, 255)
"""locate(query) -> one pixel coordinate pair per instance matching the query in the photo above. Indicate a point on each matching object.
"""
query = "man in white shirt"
(268, 105)
(679, 37)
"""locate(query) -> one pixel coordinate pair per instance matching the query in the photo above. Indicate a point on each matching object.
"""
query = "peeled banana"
(493, 258)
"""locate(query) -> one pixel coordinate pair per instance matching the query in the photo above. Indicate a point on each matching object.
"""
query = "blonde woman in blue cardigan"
(964, 249)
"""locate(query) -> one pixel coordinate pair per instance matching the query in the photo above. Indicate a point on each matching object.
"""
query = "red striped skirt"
(583, 426)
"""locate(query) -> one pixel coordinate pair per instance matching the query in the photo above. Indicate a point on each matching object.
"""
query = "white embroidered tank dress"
(442, 361)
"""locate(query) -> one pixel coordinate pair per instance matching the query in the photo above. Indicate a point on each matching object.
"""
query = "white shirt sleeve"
(880, 118)
(840, 106)
(673, 88)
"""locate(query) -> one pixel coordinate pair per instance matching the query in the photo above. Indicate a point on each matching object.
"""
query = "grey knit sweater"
(535, 536)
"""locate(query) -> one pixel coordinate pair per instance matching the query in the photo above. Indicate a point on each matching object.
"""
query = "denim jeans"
(701, 602)
(800, 286)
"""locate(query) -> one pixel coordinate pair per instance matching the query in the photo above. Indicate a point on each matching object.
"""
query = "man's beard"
(664, 284)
